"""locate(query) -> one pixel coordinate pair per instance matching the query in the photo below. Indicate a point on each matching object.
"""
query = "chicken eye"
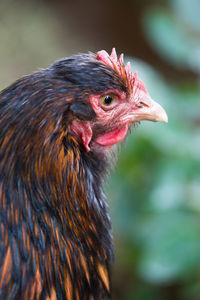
(108, 100)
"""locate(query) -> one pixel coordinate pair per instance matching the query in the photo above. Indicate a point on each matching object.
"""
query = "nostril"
(142, 104)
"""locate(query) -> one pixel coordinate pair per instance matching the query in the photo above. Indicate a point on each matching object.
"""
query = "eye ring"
(108, 101)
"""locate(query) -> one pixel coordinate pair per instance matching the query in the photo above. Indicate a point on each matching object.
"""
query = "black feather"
(54, 223)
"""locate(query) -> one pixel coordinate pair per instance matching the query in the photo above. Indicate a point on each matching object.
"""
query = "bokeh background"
(154, 193)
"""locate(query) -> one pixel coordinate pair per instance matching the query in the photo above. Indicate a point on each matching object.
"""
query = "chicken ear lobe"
(82, 131)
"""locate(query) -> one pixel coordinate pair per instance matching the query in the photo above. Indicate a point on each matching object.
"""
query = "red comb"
(133, 80)
(118, 65)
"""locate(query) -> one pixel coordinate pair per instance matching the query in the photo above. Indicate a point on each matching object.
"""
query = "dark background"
(154, 193)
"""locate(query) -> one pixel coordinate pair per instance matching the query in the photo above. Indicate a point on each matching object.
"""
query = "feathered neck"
(61, 214)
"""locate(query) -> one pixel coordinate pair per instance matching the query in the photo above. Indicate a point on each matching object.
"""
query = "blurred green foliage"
(154, 192)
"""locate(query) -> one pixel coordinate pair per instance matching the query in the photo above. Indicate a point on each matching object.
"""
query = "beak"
(151, 110)
(148, 110)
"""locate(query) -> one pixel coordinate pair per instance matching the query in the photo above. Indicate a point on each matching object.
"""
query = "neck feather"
(55, 200)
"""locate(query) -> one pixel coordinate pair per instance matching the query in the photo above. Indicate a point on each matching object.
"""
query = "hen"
(57, 127)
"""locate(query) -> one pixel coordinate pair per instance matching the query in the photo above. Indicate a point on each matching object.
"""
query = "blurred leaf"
(172, 39)
(188, 10)
(172, 247)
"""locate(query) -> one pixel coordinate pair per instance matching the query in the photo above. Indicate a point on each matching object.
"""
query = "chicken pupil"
(108, 100)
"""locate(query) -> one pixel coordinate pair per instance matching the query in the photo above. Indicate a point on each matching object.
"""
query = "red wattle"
(112, 137)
